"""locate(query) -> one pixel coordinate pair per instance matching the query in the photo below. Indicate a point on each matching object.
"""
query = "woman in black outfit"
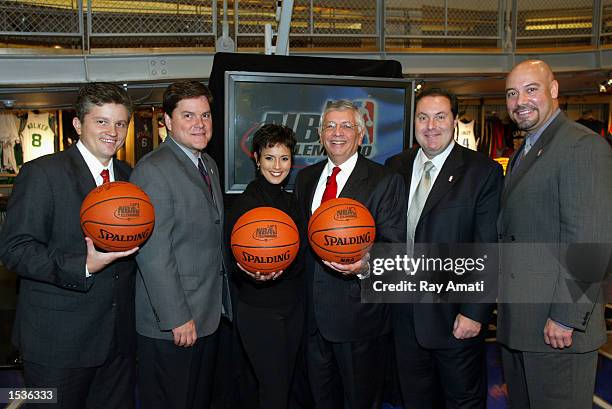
(270, 308)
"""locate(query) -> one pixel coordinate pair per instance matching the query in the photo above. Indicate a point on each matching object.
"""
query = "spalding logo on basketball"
(265, 239)
(341, 230)
(117, 216)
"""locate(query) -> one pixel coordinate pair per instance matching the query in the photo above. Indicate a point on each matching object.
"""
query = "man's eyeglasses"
(344, 126)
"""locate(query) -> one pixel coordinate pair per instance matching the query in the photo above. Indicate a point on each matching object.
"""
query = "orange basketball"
(265, 239)
(117, 216)
(341, 230)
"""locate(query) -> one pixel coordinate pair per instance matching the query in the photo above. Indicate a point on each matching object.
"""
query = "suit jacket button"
(512, 238)
(114, 304)
(217, 221)
(116, 276)
(512, 275)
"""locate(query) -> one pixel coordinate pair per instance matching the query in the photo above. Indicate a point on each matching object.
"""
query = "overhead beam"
(74, 69)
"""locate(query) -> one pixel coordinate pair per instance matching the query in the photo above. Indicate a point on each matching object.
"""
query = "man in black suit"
(444, 341)
(75, 315)
(347, 340)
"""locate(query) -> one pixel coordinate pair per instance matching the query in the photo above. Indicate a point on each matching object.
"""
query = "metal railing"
(317, 25)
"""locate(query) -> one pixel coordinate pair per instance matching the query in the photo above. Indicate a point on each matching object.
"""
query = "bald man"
(555, 229)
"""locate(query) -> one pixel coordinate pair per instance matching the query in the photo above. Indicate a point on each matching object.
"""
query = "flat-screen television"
(296, 100)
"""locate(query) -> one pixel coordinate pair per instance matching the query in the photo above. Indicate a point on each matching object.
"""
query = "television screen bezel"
(232, 77)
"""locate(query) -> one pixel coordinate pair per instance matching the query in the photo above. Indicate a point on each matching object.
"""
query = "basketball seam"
(312, 219)
(115, 225)
(115, 198)
(266, 247)
(293, 227)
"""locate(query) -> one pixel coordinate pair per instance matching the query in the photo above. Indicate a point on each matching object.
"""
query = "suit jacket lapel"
(190, 169)
(352, 186)
(120, 175)
(447, 177)
(532, 156)
(215, 184)
(407, 163)
(79, 171)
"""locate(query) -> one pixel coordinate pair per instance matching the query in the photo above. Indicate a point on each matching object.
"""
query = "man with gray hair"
(346, 340)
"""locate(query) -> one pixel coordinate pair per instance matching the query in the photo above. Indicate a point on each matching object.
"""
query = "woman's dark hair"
(270, 135)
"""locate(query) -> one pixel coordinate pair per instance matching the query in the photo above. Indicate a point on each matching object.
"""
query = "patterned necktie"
(418, 201)
(204, 174)
(105, 176)
(331, 187)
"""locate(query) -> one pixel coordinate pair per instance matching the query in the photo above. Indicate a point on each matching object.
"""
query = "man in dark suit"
(75, 314)
(459, 204)
(556, 231)
(181, 270)
(347, 340)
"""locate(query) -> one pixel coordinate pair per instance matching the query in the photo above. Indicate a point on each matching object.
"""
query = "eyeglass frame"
(330, 126)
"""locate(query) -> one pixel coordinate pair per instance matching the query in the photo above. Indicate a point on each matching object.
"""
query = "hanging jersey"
(464, 135)
(9, 136)
(162, 132)
(37, 138)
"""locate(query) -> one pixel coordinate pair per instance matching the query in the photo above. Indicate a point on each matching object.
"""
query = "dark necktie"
(331, 187)
(105, 176)
(526, 148)
(204, 174)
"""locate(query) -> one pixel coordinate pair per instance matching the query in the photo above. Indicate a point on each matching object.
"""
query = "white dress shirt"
(94, 165)
(417, 168)
(345, 171)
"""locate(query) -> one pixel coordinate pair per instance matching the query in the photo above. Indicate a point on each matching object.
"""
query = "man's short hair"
(180, 90)
(98, 94)
(439, 92)
(343, 105)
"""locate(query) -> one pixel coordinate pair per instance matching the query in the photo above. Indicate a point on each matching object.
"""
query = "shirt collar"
(94, 165)
(346, 167)
(438, 160)
(193, 157)
(533, 137)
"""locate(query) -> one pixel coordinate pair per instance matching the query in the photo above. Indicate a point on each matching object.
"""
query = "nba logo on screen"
(367, 108)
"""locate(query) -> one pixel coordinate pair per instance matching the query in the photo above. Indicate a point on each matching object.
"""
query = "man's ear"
(168, 122)
(76, 123)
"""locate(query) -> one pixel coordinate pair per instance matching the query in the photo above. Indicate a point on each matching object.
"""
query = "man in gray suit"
(555, 229)
(181, 274)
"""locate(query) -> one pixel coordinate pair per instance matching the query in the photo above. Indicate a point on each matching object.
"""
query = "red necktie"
(331, 187)
(105, 176)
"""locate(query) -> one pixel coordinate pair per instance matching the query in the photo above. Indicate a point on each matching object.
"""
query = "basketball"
(265, 239)
(117, 216)
(341, 230)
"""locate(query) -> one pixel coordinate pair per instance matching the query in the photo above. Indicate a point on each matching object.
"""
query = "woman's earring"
(258, 167)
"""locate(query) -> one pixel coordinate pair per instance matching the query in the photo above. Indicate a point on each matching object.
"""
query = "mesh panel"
(300, 19)
(606, 19)
(147, 16)
(402, 44)
(340, 17)
(558, 18)
(205, 43)
(46, 16)
(253, 16)
(469, 18)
